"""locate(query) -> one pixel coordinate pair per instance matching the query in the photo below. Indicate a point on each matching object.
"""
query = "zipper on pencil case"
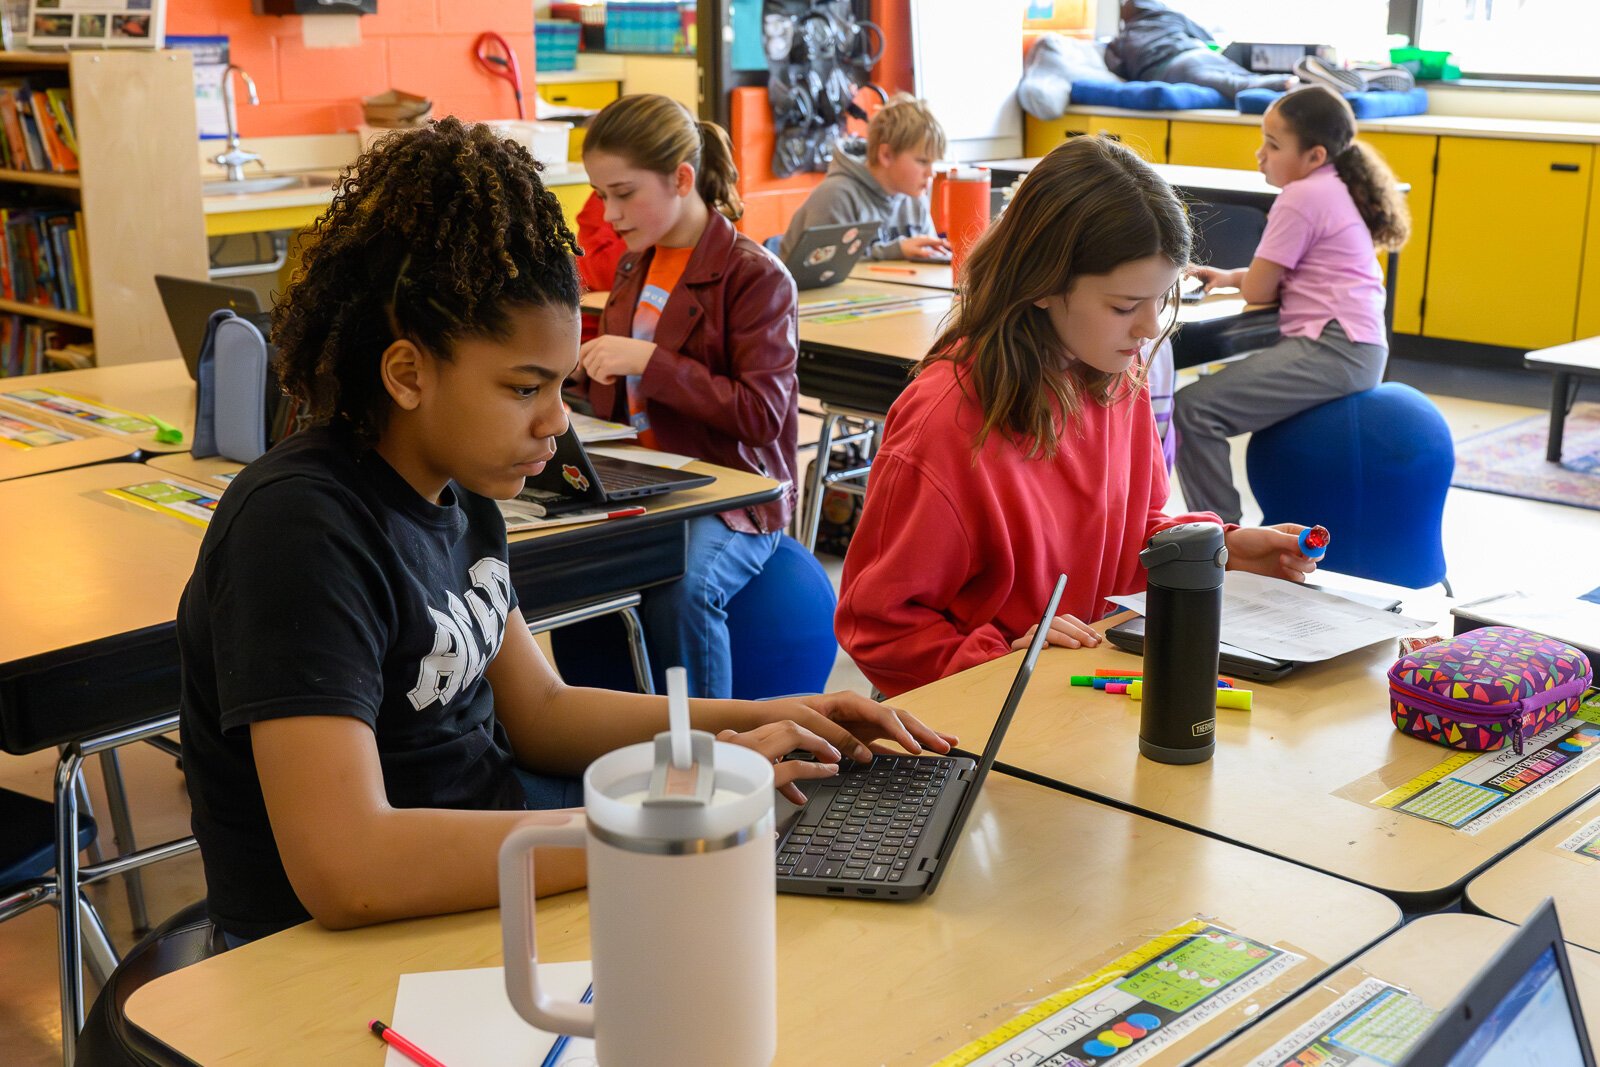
(1470, 711)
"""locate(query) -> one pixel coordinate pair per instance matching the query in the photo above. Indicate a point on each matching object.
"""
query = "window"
(1357, 28)
(1514, 38)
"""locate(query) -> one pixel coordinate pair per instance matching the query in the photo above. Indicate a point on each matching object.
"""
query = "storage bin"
(644, 26)
(545, 141)
(555, 44)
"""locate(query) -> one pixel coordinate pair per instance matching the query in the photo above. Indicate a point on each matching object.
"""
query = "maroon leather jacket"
(721, 385)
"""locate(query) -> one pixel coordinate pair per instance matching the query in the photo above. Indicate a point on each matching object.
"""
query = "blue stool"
(1373, 468)
(780, 627)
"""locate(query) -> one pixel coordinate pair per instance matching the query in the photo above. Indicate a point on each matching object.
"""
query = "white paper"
(650, 458)
(331, 31)
(463, 1019)
(1568, 619)
(1285, 620)
(591, 429)
(521, 516)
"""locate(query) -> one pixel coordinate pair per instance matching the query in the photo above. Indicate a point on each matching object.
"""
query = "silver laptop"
(824, 255)
(189, 305)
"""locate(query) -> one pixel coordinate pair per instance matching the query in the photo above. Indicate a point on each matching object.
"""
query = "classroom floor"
(1541, 559)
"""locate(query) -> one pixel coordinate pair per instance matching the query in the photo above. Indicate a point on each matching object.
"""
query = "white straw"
(678, 716)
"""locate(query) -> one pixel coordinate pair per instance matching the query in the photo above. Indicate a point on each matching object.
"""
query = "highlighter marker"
(1314, 542)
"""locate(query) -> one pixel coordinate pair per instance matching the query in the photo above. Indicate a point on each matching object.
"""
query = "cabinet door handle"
(1108, 135)
(1566, 168)
(1067, 135)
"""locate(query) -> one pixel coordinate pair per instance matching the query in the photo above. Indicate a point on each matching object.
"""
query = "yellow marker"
(1232, 699)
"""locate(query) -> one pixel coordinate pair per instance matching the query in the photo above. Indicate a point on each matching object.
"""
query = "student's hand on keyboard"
(777, 740)
(608, 356)
(936, 249)
(858, 726)
(1216, 277)
(1066, 631)
(1270, 550)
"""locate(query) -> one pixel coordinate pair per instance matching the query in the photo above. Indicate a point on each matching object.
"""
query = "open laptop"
(885, 830)
(189, 306)
(823, 255)
(1520, 1011)
(573, 480)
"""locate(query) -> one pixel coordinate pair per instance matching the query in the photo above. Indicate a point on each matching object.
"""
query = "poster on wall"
(96, 23)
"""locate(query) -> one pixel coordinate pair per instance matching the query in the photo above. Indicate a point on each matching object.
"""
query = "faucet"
(234, 158)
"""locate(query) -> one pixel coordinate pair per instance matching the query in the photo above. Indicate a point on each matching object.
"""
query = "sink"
(270, 184)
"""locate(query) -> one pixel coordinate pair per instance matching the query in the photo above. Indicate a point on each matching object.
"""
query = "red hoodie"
(956, 554)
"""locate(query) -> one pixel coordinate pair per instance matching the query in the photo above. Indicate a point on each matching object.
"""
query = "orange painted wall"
(421, 46)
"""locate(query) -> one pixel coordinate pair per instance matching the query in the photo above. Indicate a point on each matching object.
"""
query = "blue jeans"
(686, 622)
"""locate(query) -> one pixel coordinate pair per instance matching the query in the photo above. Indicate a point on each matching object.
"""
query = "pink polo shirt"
(1330, 267)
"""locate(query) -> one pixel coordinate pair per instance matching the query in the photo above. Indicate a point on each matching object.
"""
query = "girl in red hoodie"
(1025, 446)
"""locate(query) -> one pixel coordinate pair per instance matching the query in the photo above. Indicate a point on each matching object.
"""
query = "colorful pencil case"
(1475, 690)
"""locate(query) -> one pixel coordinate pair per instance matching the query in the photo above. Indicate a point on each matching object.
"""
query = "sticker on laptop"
(821, 255)
(575, 477)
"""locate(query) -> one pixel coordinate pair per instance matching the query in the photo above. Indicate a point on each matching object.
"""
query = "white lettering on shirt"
(466, 636)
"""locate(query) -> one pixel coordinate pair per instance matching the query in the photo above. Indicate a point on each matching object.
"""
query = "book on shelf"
(28, 346)
(41, 257)
(39, 132)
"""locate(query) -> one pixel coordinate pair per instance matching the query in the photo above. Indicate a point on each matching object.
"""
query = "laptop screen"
(1532, 1026)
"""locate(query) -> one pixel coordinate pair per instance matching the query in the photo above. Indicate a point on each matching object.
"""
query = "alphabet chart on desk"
(1373, 1025)
(1131, 1009)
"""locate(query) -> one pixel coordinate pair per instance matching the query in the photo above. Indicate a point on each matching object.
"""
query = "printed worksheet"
(17, 432)
(1285, 620)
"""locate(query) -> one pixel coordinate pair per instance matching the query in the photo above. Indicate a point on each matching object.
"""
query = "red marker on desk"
(1314, 542)
(405, 1047)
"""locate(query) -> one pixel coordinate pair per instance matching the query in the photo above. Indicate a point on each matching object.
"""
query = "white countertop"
(319, 196)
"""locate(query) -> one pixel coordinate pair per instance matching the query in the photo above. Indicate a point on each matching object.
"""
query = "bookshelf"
(137, 188)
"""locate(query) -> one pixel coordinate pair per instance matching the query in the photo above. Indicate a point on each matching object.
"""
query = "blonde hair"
(657, 133)
(1089, 206)
(906, 125)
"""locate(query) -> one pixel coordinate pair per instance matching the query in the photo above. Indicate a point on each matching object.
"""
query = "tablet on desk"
(1234, 662)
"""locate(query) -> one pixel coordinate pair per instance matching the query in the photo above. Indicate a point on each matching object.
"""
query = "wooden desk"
(1294, 778)
(866, 293)
(1568, 365)
(160, 387)
(1434, 957)
(1512, 888)
(1046, 889)
(906, 272)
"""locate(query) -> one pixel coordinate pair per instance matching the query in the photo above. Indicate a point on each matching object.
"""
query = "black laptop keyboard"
(870, 828)
(613, 479)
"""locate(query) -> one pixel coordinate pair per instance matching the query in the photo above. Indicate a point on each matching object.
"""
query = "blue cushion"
(1147, 96)
(1376, 104)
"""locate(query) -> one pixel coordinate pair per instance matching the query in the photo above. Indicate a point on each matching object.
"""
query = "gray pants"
(1258, 391)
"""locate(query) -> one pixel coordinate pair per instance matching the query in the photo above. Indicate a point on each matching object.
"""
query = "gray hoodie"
(849, 193)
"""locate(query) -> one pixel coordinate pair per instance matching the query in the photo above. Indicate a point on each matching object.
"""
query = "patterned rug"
(1511, 460)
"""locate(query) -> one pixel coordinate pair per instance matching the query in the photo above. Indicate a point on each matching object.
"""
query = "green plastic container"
(1426, 64)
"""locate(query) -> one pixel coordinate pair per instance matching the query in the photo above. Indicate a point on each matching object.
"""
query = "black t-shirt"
(326, 585)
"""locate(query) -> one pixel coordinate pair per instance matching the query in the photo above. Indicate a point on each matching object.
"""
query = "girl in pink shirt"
(1317, 260)
(1026, 445)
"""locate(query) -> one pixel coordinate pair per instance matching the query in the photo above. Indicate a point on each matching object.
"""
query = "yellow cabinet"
(580, 94)
(572, 197)
(1507, 242)
(1039, 136)
(1148, 137)
(1588, 324)
(1213, 144)
(1410, 156)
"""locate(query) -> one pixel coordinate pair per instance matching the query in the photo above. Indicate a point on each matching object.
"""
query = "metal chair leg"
(122, 830)
(70, 944)
(99, 953)
(818, 480)
(97, 852)
(637, 650)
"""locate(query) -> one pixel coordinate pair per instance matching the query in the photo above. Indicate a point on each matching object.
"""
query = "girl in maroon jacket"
(697, 350)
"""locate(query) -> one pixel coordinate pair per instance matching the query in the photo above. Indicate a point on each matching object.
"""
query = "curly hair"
(1320, 116)
(433, 235)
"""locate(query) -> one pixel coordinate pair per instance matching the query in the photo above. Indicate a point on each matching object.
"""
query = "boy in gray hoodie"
(883, 179)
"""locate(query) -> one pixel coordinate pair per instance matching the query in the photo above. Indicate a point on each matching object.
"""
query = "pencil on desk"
(892, 270)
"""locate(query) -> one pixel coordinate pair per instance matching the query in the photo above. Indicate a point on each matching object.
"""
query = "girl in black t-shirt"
(360, 690)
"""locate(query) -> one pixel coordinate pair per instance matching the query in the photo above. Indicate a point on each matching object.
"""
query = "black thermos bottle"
(1182, 635)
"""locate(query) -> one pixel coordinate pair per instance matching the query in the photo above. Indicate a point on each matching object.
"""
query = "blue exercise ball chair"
(780, 628)
(1374, 468)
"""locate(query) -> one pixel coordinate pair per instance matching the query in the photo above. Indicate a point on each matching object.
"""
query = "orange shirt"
(666, 267)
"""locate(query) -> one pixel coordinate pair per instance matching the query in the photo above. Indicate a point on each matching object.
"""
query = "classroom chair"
(780, 626)
(1226, 235)
(1374, 469)
(107, 1038)
(28, 855)
(771, 243)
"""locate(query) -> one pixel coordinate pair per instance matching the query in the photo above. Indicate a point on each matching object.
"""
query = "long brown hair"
(1088, 207)
(1320, 116)
(657, 133)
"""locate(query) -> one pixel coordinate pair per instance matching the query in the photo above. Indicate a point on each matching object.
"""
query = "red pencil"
(891, 270)
(407, 1049)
